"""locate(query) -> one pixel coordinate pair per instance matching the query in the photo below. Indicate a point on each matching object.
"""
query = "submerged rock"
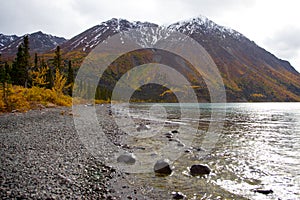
(143, 127)
(127, 158)
(198, 149)
(178, 195)
(162, 167)
(187, 151)
(199, 170)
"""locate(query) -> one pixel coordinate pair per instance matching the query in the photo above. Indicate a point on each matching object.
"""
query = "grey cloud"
(20, 17)
(217, 7)
(286, 42)
(70, 17)
(157, 11)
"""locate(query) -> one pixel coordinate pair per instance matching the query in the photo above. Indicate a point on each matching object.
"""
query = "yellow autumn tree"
(39, 77)
(60, 83)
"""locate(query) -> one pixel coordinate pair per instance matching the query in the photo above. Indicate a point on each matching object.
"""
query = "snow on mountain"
(90, 38)
(203, 24)
(248, 70)
(241, 62)
(6, 39)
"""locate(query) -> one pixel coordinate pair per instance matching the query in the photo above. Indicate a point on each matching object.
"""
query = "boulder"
(127, 158)
(162, 167)
(199, 170)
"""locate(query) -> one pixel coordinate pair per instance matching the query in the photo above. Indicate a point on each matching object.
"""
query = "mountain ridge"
(39, 43)
(250, 72)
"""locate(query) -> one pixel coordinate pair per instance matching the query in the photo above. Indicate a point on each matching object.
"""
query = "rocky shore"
(42, 157)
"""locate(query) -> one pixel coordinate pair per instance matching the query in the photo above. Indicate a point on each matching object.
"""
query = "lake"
(255, 146)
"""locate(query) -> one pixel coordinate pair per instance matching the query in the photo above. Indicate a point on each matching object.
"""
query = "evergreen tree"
(8, 70)
(21, 65)
(57, 59)
(98, 93)
(2, 74)
(49, 75)
(19, 68)
(4, 83)
(26, 60)
(70, 78)
(36, 60)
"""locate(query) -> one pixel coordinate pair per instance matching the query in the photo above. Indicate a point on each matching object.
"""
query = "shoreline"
(42, 157)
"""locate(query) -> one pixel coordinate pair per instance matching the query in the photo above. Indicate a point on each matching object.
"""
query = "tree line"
(41, 73)
(55, 74)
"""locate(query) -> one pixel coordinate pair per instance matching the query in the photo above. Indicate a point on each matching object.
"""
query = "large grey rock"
(199, 170)
(162, 167)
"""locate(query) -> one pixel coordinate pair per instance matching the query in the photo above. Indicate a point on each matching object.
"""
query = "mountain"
(90, 38)
(6, 39)
(249, 72)
(39, 43)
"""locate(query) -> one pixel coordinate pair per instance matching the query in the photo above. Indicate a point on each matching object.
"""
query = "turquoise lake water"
(255, 146)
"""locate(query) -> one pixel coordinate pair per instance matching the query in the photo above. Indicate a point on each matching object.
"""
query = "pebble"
(49, 159)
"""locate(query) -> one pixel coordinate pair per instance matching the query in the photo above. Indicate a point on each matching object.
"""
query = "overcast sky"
(272, 24)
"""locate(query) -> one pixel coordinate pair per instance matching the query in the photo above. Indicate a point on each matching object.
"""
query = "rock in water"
(162, 167)
(169, 135)
(127, 158)
(199, 170)
(264, 191)
(142, 127)
(178, 195)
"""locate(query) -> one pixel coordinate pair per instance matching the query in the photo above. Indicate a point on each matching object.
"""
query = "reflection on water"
(258, 147)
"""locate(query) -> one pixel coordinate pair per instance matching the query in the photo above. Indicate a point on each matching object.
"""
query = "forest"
(30, 82)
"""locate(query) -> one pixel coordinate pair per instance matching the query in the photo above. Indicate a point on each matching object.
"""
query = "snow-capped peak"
(202, 23)
(119, 24)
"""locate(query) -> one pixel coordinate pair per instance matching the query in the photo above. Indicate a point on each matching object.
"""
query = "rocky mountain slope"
(6, 39)
(250, 73)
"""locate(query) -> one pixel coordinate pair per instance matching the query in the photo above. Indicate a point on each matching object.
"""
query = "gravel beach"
(43, 158)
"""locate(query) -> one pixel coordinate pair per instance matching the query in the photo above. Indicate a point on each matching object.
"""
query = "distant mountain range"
(250, 73)
(39, 43)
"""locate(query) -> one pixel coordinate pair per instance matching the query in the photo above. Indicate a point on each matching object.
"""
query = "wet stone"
(199, 170)
(266, 192)
(162, 167)
(178, 195)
